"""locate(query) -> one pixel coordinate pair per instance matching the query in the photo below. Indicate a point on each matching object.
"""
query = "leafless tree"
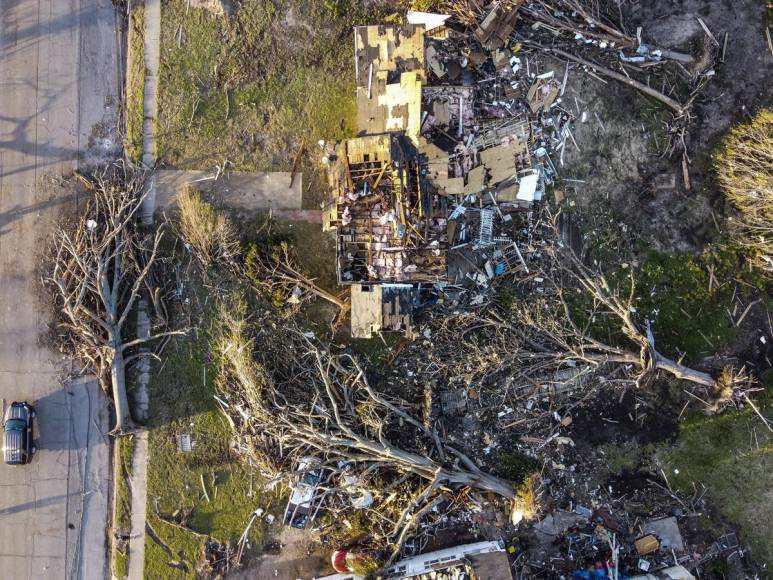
(568, 271)
(550, 333)
(312, 402)
(101, 266)
(275, 272)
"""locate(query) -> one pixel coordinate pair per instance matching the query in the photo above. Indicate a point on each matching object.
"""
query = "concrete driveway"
(58, 103)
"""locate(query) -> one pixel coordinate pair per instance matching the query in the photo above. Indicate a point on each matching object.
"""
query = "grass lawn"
(182, 402)
(732, 455)
(685, 297)
(135, 81)
(251, 87)
(123, 502)
(686, 308)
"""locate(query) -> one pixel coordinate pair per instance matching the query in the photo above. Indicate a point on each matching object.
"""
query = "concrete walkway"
(139, 490)
(150, 98)
(152, 62)
(138, 480)
(234, 189)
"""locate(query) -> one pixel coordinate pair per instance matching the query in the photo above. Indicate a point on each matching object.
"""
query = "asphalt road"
(58, 109)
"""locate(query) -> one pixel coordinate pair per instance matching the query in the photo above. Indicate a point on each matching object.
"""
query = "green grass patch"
(732, 455)
(121, 564)
(377, 351)
(122, 516)
(315, 251)
(685, 297)
(426, 5)
(515, 466)
(135, 81)
(686, 308)
(123, 493)
(250, 87)
(182, 402)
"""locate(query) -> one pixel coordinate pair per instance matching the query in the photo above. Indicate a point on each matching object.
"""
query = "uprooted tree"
(314, 403)
(550, 333)
(567, 271)
(102, 264)
(274, 271)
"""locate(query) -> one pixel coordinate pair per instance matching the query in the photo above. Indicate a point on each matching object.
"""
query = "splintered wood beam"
(380, 175)
(418, 185)
(676, 106)
(346, 167)
(296, 160)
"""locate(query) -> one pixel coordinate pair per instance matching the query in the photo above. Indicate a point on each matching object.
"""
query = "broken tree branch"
(676, 106)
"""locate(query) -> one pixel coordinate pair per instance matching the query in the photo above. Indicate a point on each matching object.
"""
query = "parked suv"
(17, 434)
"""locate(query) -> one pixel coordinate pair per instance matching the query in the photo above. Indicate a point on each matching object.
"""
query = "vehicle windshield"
(15, 425)
(311, 478)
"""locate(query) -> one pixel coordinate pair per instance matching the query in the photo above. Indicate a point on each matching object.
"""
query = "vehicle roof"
(13, 446)
(302, 494)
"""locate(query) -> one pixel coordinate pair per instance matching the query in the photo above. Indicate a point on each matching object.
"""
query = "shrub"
(209, 233)
(744, 166)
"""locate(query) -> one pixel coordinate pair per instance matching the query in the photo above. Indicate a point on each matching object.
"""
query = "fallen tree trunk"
(124, 422)
(314, 403)
(100, 267)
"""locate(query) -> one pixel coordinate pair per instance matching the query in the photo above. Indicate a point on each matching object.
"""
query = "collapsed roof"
(390, 227)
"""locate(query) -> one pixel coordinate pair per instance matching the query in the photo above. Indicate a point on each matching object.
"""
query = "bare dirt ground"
(620, 161)
(293, 554)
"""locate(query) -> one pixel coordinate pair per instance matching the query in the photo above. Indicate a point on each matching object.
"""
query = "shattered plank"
(496, 27)
(707, 31)
(296, 160)
(770, 43)
(686, 173)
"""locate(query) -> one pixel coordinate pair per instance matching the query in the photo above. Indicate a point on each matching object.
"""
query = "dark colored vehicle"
(17, 434)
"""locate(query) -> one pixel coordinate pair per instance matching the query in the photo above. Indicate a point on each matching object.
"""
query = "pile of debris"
(463, 123)
(587, 543)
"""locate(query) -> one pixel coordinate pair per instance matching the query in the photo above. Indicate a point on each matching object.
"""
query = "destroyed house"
(461, 115)
(377, 307)
(449, 140)
(389, 227)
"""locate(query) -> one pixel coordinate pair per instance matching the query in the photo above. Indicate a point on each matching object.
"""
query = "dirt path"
(299, 557)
